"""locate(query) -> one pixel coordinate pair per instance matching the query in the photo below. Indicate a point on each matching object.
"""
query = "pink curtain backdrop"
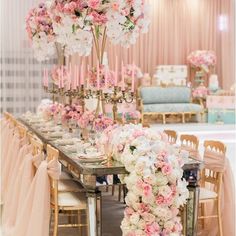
(177, 28)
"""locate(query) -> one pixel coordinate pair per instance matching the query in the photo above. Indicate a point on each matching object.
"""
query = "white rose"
(134, 218)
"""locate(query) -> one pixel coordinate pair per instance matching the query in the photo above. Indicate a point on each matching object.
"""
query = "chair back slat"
(172, 136)
(209, 175)
(190, 141)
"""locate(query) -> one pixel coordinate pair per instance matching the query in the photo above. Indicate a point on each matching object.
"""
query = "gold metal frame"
(53, 153)
(214, 178)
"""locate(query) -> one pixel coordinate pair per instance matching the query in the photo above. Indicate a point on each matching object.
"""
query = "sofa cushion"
(170, 107)
(158, 95)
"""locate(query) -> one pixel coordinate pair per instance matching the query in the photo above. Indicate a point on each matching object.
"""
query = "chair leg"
(203, 214)
(183, 118)
(55, 228)
(164, 118)
(219, 218)
(113, 190)
(119, 193)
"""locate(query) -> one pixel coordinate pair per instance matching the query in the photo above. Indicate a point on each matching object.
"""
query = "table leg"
(94, 213)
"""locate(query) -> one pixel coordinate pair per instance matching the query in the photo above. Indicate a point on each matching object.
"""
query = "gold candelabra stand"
(117, 96)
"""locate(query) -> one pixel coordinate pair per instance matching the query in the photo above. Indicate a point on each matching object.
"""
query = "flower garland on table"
(202, 59)
(40, 31)
(155, 186)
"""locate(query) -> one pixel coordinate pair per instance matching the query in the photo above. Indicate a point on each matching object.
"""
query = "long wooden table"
(87, 174)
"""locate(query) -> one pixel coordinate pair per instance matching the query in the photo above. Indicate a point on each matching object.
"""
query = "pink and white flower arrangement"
(155, 186)
(102, 122)
(103, 71)
(200, 92)
(39, 27)
(128, 70)
(202, 59)
(52, 111)
(86, 119)
(71, 112)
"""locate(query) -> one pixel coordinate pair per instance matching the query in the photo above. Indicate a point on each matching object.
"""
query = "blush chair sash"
(219, 163)
(34, 216)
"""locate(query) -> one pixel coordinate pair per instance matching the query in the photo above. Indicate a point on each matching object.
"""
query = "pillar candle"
(123, 76)
(116, 72)
(106, 77)
(98, 76)
(59, 77)
(82, 73)
(132, 88)
(74, 78)
(46, 74)
(44, 78)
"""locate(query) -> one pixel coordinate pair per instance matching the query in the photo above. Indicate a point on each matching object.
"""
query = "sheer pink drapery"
(177, 28)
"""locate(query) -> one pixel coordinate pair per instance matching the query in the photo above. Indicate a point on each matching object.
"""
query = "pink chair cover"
(19, 185)
(8, 162)
(220, 163)
(34, 216)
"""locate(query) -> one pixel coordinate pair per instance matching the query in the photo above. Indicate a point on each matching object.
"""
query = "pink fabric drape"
(220, 163)
(177, 28)
(34, 215)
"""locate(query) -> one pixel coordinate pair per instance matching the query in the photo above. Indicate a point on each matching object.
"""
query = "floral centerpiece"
(103, 71)
(155, 186)
(40, 31)
(52, 111)
(71, 113)
(86, 120)
(202, 59)
(128, 70)
(200, 92)
(77, 23)
(102, 122)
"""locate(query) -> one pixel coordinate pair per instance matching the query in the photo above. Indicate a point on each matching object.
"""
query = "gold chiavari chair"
(190, 143)
(212, 184)
(65, 202)
(172, 136)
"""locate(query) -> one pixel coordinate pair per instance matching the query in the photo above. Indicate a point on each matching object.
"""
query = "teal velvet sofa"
(167, 101)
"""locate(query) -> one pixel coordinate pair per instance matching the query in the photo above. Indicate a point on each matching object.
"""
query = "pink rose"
(115, 6)
(162, 155)
(94, 3)
(129, 211)
(160, 200)
(149, 218)
(166, 169)
(152, 229)
(147, 189)
(143, 208)
(99, 19)
(120, 147)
